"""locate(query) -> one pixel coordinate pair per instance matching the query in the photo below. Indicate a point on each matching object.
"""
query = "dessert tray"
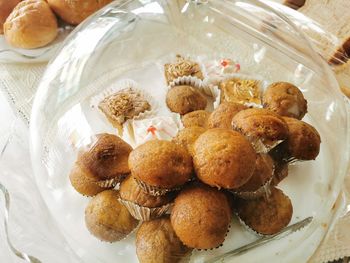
(127, 46)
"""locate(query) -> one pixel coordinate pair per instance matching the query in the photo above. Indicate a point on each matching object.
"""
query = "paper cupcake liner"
(120, 85)
(258, 144)
(186, 80)
(292, 160)
(278, 175)
(250, 195)
(210, 91)
(263, 84)
(210, 249)
(145, 213)
(109, 183)
(153, 190)
(248, 228)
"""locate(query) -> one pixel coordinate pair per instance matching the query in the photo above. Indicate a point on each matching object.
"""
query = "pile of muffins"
(33, 24)
(224, 164)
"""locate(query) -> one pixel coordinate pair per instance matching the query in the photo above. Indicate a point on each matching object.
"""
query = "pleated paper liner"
(153, 190)
(250, 195)
(113, 182)
(210, 91)
(145, 213)
(228, 230)
(259, 145)
(121, 85)
(248, 228)
(243, 90)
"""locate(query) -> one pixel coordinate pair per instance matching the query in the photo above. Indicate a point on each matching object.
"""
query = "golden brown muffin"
(223, 158)
(304, 141)
(182, 67)
(131, 191)
(161, 164)
(186, 137)
(201, 217)
(6, 7)
(184, 99)
(263, 173)
(83, 184)
(106, 158)
(222, 116)
(141, 205)
(74, 12)
(285, 99)
(156, 242)
(262, 125)
(107, 219)
(266, 215)
(198, 118)
(31, 24)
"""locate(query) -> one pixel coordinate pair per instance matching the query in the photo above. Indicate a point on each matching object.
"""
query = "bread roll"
(6, 7)
(31, 24)
(74, 12)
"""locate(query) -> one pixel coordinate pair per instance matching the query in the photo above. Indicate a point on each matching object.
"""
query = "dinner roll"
(6, 7)
(74, 12)
(31, 24)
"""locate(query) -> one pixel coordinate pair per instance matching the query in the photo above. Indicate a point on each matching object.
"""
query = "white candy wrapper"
(262, 85)
(166, 128)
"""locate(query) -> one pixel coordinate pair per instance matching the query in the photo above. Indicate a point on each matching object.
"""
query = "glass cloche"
(127, 44)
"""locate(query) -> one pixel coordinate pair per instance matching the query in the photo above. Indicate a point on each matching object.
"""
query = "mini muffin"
(6, 7)
(84, 184)
(182, 67)
(123, 105)
(223, 158)
(262, 175)
(156, 242)
(222, 116)
(160, 166)
(198, 118)
(303, 142)
(201, 216)
(141, 205)
(74, 12)
(262, 127)
(31, 24)
(266, 216)
(184, 99)
(285, 99)
(104, 162)
(107, 219)
(186, 137)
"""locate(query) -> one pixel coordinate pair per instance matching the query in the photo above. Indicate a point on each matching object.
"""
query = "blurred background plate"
(9, 54)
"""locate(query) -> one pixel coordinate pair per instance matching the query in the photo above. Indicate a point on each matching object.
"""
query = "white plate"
(310, 186)
(9, 54)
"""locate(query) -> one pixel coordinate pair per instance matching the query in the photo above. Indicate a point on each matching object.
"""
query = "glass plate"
(132, 39)
(9, 54)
